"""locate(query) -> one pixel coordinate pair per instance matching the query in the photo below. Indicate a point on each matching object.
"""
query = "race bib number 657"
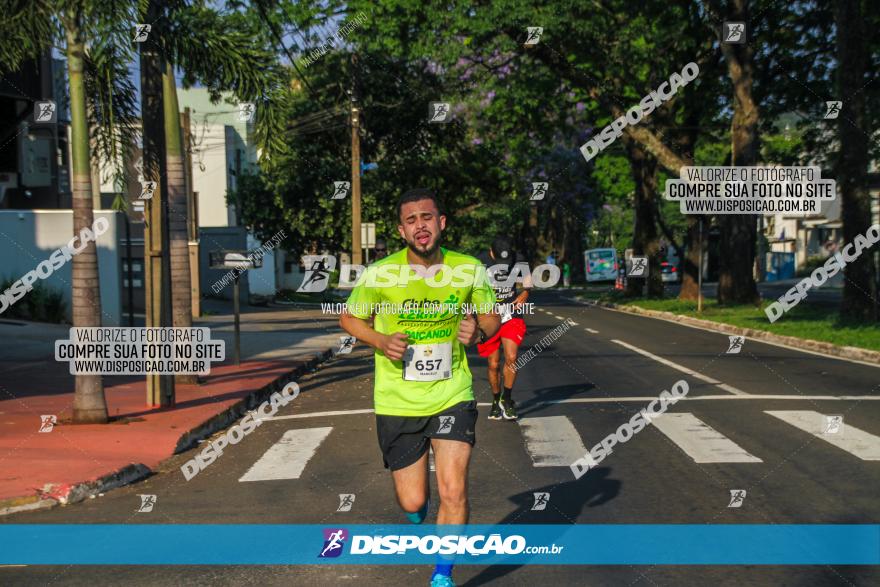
(428, 362)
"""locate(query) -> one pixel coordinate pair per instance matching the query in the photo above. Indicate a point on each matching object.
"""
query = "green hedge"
(41, 304)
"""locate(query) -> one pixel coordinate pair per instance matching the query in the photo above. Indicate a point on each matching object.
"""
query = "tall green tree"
(294, 193)
(820, 52)
(854, 20)
(609, 54)
(736, 283)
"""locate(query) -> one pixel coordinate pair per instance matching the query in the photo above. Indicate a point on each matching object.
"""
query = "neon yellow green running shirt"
(386, 289)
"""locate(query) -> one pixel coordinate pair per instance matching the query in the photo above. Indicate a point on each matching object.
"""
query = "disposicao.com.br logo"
(430, 544)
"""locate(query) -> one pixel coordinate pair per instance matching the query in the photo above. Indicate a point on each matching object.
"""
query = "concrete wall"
(29, 237)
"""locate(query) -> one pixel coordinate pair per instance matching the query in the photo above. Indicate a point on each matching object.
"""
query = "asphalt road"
(580, 383)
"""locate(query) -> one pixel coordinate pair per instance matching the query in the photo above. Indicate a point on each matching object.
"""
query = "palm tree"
(32, 29)
(89, 404)
(228, 52)
(178, 236)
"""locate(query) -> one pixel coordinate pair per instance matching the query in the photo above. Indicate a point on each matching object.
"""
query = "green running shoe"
(508, 409)
(495, 412)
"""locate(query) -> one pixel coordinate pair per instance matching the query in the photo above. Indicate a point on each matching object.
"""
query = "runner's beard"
(427, 253)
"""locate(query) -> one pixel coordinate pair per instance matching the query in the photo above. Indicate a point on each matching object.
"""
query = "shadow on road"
(346, 375)
(550, 394)
(565, 504)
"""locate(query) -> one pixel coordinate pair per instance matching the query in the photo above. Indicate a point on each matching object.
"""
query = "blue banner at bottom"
(615, 544)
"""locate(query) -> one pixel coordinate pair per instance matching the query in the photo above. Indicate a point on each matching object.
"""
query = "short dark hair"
(415, 195)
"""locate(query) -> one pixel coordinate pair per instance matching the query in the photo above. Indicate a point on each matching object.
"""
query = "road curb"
(55, 494)
(239, 409)
(63, 494)
(827, 348)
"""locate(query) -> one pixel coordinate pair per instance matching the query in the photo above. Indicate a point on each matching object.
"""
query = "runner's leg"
(451, 458)
(511, 349)
(411, 485)
(495, 372)
(494, 361)
(508, 409)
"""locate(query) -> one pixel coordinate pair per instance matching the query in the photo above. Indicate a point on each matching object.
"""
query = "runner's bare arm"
(520, 299)
(524, 294)
(489, 323)
(392, 345)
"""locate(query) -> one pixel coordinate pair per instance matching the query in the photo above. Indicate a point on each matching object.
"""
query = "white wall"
(261, 281)
(210, 174)
(29, 237)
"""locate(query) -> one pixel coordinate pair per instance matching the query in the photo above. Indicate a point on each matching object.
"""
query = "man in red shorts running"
(513, 328)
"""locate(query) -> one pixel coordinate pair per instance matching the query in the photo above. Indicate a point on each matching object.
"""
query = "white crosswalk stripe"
(701, 442)
(849, 438)
(682, 368)
(551, 441)
(287, 458)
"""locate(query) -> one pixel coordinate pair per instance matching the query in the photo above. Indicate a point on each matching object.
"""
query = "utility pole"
(355, 168)
(193, 221)
(157, 270)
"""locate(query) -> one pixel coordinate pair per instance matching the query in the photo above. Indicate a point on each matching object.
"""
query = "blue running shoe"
(442, 581)
(419, 516)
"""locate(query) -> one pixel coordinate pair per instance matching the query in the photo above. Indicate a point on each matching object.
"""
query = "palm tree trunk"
(89, 404)
(178, 237)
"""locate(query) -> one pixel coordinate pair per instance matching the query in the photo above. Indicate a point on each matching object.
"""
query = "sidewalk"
(73, 461)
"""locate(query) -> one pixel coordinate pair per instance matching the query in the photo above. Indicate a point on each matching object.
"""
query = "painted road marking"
(591, 331)
(316, 415)
(678, 322)
(701, 442)
(851, 439)
(573, 323)
(612, 400)
(559, 317)
(287, 458)
(552, 441)
(681, 368)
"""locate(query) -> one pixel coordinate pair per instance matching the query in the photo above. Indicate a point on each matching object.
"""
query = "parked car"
(669, 273)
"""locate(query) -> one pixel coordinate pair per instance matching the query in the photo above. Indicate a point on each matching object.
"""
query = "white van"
(600, 264)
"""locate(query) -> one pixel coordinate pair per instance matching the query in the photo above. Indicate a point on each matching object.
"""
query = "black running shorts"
(404, 439)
